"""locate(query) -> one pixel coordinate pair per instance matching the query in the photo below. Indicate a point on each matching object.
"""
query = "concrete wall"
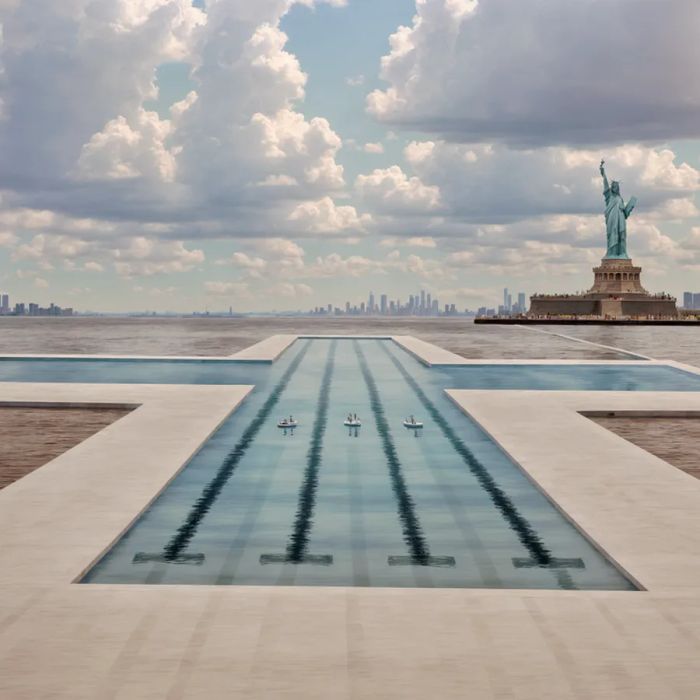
(660, 307)
(584, 306)
(553, 306)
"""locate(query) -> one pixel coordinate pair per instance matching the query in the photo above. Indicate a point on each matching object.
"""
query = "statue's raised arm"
(606, 185)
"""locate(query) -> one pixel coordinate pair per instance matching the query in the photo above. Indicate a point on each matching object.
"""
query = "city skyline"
(327, 144)
(421, 303)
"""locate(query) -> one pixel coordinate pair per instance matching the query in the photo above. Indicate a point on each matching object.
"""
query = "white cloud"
(325, 216)
(239, 290)
(7, 239)
(492, 183)
(145, 257)
(412, 242)
(290, 290)
(234, 157)
(545, 72)
(373, 148)
(391, 190)
(120, 151)
(71, 68)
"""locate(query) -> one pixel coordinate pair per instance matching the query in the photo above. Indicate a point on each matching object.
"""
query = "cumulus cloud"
(121, 150)
(373, 148)
(70, 68)
(325, 216)
(493, 183)
(391, 190)
(289, 290)
(543, 72)
(238, 290)
(235, 157)
(147, 257)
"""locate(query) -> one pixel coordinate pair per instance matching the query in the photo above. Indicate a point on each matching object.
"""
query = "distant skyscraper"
(696, 301)
(429, 302)
(522, 303)
(370, 303)
(687, 300)
(5, 302)
(422, 300)
(505, 298)
(384, 302)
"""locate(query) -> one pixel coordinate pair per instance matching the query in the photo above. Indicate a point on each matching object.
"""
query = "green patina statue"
(616, 215)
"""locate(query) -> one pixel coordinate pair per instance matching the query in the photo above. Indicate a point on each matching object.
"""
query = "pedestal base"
(617, 292)
(617, 277)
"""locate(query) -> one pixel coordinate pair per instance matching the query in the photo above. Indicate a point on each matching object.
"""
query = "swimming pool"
(381, 505)
(546, 377)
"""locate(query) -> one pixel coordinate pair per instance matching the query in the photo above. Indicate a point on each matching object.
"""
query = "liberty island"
(617, 291)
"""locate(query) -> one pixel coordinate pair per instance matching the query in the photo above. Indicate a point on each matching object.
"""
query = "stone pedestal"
(617, 277)
(617, 292)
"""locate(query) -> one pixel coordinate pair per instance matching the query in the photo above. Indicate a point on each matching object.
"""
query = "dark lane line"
(410, 523)
(541, 556)
(297, 548)
(174, 550)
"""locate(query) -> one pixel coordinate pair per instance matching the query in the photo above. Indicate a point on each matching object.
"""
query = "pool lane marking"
(298, 545)
(410, 522)
(174, 551)
(540, 555)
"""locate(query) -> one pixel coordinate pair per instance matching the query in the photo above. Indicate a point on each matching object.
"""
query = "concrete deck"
(59, 639)
(267, 350)
(427, 353)
(56, 521)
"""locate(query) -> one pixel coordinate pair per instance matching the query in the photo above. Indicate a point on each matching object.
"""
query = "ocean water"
(224, 336)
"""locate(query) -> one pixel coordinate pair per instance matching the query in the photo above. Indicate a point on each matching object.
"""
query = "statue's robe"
(616, 215)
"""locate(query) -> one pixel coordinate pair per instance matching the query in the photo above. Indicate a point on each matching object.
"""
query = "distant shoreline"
(583, 322)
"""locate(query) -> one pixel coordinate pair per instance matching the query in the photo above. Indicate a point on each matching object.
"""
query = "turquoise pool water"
(608, 377)
(381, 505)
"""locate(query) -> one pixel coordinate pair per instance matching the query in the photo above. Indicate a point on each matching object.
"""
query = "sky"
(175, 155)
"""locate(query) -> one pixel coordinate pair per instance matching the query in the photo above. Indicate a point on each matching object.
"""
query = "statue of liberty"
(616, 215)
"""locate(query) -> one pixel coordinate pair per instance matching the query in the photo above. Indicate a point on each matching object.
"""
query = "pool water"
(381, 505)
